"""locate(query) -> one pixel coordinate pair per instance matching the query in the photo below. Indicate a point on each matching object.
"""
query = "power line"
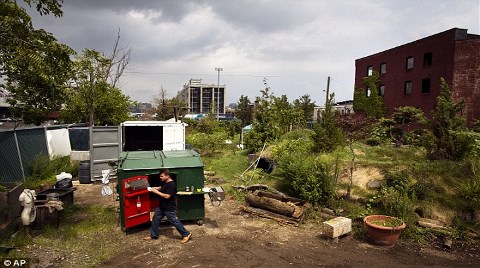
(197, 74)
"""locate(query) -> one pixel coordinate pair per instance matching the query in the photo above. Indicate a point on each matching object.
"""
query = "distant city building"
(410, 74)
(342, 108)
(203, 98)
(141, 107)
(143, 110)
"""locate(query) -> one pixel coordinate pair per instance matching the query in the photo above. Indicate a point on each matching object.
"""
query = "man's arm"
(162, 195)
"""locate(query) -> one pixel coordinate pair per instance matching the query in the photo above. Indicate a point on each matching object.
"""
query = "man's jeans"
(171, 217)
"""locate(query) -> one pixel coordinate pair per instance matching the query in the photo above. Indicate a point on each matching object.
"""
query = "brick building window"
(369, 70)
(427, 59)
(368, 92)
(383, 68)
(408, 88)
(381, 90)
(409, 63)
(426, 85)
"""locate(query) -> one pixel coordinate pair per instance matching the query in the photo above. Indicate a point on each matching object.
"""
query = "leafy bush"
(293, 143)
(42, 170)
(379, 134)
(208, 144)
(207, 125)
(308, 176)
(399, 180)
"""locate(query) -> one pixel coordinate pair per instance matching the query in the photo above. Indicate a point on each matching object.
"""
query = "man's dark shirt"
(171, 189)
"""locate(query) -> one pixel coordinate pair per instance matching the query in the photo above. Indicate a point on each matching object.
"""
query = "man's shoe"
(149, 238)
(186, 238)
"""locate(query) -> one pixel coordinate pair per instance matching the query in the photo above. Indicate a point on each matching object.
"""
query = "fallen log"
(270, 204)
(278, 203)
(270, 215)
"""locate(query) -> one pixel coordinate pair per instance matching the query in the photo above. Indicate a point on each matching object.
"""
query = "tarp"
(58, 142)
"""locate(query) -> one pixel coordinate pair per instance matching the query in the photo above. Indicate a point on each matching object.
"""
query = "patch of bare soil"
(230, 238)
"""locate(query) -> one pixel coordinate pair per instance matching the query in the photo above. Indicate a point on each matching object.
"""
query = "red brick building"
(410, 74)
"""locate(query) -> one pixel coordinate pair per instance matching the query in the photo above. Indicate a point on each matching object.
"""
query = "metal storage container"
(138, 169)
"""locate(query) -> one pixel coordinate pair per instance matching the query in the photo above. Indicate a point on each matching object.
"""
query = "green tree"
(282, 113)
(244, 111)
(34, 66)
(446, 125)
(306, 106)
(92, 99)
(328, 134)
(369, 100)
(169, 108)
(272, 117)
(265, 127)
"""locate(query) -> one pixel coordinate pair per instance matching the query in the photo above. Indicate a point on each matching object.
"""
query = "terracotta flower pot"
(380, 230)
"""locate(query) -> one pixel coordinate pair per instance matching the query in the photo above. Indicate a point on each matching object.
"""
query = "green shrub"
(328, 137)
(208, 144)
(301, 146)
(399, 180)
(308, 176)
(42, 170)
(379, 134)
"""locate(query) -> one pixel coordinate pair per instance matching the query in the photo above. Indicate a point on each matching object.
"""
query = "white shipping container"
(153, 135)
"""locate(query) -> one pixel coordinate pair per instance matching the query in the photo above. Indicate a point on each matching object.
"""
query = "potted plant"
(383, 230)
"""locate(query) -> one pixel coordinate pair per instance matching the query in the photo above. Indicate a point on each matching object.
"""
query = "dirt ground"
(230, 238)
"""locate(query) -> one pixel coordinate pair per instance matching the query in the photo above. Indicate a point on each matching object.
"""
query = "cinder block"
(336, 227)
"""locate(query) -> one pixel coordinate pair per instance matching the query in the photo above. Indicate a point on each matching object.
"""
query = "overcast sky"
(296, 44)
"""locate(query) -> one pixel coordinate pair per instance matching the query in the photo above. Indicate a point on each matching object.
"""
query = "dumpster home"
(149, 147)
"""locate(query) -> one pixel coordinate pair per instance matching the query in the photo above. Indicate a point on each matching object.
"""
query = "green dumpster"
(139, 169)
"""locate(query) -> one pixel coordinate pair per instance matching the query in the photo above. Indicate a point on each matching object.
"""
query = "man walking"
(167, 207)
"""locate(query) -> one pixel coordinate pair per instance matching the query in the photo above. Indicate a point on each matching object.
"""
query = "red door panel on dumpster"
(136, 201)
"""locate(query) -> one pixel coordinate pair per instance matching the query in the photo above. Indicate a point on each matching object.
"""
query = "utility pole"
(328, 90)
(218, 92)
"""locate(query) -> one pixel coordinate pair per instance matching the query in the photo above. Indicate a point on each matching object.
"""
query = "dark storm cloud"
(169, 10)
(298, 43)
